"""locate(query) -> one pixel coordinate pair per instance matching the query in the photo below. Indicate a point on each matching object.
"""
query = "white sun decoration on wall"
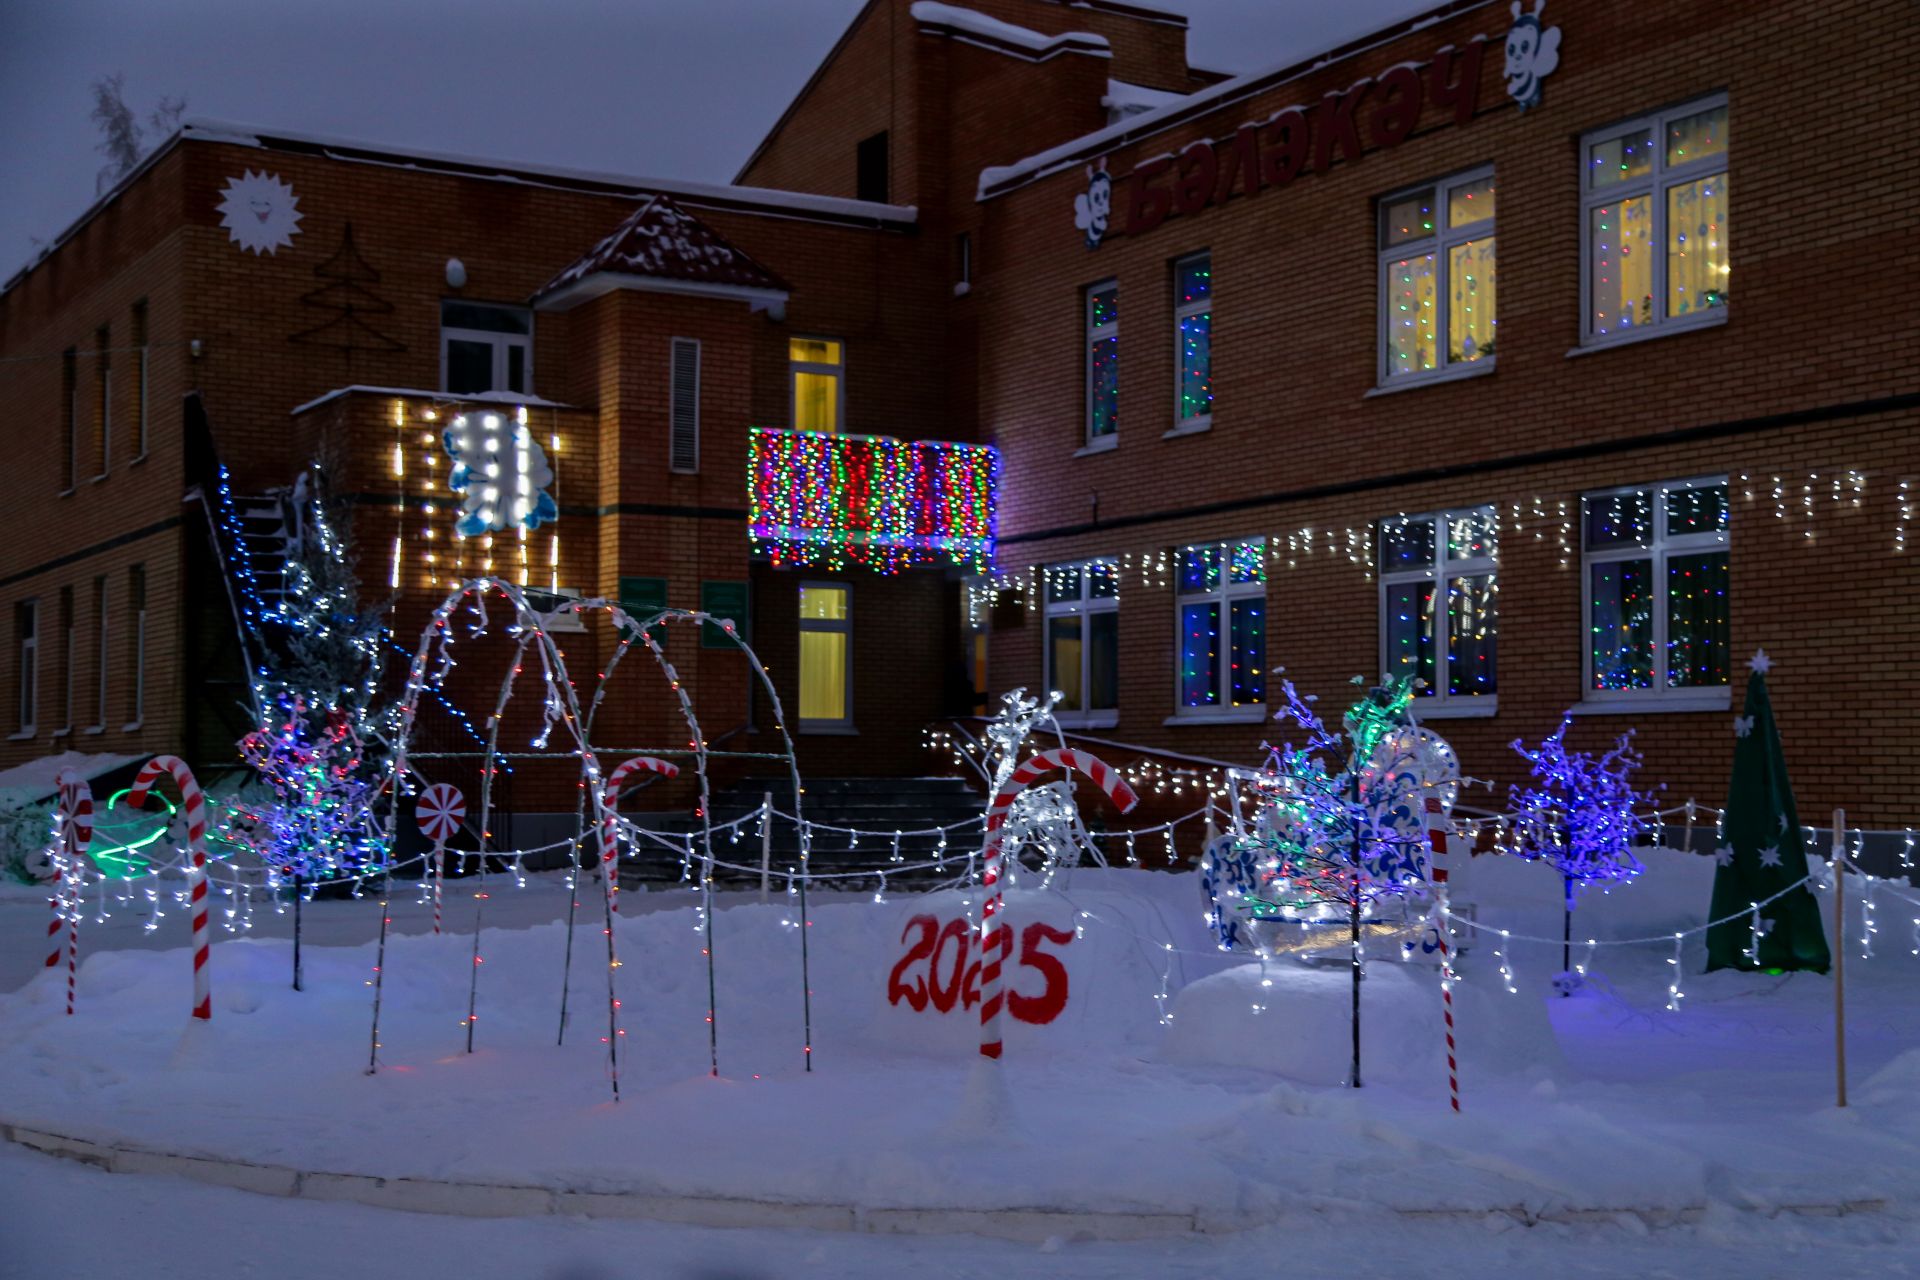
(258, 212)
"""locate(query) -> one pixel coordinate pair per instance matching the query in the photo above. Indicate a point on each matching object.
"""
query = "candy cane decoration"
(73, 836)
(1437, 872)
(610, 882)
(993, 861)
(439, 811)
(610, 796)
(195, 804)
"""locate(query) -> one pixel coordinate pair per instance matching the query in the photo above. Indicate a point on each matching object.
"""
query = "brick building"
(1233, 339)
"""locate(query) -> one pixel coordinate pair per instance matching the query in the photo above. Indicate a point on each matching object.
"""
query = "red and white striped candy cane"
(1437, 876)
(194, 801)
(992, 998)
(75, 837)
(610, 883)
(610, 794)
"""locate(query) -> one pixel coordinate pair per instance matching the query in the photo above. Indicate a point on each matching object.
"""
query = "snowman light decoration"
(501, 473)
(1093, 207)
(1533, 52)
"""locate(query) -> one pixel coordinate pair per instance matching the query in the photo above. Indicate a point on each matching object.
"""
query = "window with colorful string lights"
(1438, 262)
(1220, 616)
(1450, 556)
(1655, 577)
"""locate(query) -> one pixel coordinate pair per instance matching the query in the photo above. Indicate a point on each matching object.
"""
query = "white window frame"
(27, 674)
(844, 723)
(674, 348)
(1657, 548)
(838, 372)
(1224, 593)
(106, 414)
(1439, 702)
(1653, 184)
(71, 375)
(138, 609)
(500, 342)
(68, 653)
(144, 349)
(1182, 312)
(1083, 606)
(1091, 335)
(1445, 238)
(102, 650)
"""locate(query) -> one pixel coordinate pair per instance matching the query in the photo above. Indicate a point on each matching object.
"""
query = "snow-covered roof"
(418, 393)
(38, 779)
(977, 28)
(758, 201)
(1127, 99)
(997, 180)
(661, 241)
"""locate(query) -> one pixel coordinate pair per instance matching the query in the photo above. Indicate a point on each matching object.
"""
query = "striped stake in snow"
(610, 882)
(194, 802)
(73, 837)
(1437, 839)
(996, 938)
(439, 812)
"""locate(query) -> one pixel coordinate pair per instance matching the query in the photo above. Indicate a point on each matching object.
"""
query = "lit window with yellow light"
(1654, 223)
(817, 369)
(1438, 278)
(826, 656)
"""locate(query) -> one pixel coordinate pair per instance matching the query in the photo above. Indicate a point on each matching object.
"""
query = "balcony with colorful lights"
(827, 500)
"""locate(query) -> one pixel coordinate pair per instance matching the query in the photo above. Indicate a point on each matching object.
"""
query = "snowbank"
(1302, 1029)
(1616, 1104)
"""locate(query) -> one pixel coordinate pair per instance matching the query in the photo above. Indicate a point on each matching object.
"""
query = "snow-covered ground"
(64, 1220)
(1606, 1101)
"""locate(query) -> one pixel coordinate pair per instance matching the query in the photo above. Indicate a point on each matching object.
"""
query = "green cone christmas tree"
(1761, 853)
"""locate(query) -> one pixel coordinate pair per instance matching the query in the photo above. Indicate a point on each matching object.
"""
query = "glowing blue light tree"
(1582, 816)
(1338, 820)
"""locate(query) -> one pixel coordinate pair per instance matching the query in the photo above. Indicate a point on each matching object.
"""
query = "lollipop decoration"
(439, 812)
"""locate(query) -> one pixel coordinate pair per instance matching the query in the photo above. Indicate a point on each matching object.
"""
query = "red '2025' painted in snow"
(949, 980)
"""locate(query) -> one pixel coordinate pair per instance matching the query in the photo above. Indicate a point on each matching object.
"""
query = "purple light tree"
(1582, 816)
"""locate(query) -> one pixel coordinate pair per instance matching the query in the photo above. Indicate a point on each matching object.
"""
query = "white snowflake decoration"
(258, 210)
(502, 473)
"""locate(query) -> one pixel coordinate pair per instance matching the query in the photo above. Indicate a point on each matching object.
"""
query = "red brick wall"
(1821, 316)
(113, 517)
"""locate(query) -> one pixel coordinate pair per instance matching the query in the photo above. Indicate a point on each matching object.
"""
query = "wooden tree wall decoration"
(348, 296)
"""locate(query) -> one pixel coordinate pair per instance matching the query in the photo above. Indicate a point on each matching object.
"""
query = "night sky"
(668, 88)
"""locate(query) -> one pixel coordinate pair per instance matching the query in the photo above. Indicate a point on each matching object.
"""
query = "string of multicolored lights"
(1796, 502)
(818, 499)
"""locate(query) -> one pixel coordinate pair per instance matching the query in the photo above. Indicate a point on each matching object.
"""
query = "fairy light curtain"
(820, 500)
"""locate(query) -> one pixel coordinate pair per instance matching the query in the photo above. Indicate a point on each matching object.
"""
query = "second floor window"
(1425, 560)
(1102, 307)
(817, 366)
(1193, 337)
(1083, 639)
(141, 354)
(1654, 229)
(26, 641)
(1221, 609)
(103, 401)
(1437, 277)
(485, 348)
(1655, 561)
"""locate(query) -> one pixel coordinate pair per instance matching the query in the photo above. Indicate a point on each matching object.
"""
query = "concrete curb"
(1024, 1225)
